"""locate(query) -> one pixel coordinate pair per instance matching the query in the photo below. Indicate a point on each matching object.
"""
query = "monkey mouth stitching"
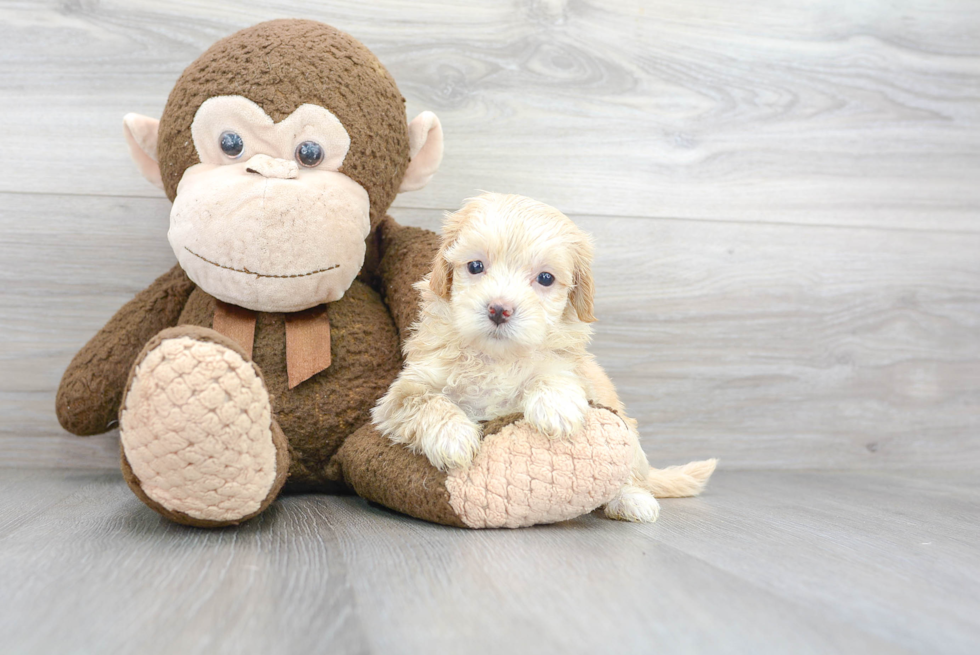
(248, 272)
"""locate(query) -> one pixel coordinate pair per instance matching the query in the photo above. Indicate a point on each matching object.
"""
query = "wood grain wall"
(784, 195)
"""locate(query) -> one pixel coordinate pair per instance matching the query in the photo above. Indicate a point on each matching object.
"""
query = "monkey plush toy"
(253, 363)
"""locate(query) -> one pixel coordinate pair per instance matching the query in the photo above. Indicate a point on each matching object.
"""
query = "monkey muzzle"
(272, 167)
(267, 235)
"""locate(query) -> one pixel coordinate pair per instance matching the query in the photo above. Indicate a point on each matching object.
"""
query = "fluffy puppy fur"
(504, 327)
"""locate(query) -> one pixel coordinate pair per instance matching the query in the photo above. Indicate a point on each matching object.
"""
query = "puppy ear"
(582, 297)
(441, 280)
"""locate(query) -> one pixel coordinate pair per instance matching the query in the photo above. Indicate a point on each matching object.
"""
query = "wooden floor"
(764, 562)
(785, 198)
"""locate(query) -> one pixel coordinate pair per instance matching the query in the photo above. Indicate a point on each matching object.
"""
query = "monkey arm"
(406, 255)
(92, 387)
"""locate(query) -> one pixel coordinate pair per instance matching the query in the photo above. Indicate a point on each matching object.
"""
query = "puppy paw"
(453, 443)
(633, 504)
(427, 423)
(556, 413)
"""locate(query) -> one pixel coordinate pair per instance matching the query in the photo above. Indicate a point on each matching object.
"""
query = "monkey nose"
(499, 314)
(266, 166)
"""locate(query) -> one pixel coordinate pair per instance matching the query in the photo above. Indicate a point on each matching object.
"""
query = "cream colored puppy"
(504, 327)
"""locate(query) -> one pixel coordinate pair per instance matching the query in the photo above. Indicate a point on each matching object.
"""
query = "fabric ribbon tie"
(307, 337)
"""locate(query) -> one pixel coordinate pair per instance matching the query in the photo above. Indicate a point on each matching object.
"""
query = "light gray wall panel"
(763, 344)
(829, 112)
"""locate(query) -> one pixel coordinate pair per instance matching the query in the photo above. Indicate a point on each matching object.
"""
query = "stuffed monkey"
(253, 363)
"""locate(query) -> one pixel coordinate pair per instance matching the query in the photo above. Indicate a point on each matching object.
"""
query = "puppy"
(503, 328)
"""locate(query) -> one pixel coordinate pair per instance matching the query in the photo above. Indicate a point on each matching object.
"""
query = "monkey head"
(281, 148)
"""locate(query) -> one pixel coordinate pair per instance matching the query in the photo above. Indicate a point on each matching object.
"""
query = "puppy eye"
(546, 279)
(309, 153)
(231, 144)
(475, 268)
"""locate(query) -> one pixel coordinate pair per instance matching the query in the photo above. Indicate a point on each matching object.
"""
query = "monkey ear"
(141, 135)
(425, 150)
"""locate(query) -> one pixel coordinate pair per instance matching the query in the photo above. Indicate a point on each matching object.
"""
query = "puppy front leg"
(555, 405)
(429, 423)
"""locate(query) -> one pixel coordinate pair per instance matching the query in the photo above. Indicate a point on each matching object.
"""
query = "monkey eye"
(546, 279)
(231, 144)
(475, 268)
(309, 153)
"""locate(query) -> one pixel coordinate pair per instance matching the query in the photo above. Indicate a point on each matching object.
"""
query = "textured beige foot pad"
(198, 441)
(519, 477)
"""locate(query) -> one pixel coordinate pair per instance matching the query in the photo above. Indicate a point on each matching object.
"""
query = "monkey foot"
(199, 444)
(518, 478)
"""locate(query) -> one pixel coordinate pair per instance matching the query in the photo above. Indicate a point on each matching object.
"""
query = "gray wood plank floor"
(764, 562)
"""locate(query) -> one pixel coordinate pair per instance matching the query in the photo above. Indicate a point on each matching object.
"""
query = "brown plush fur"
(280, 65)
(92, 387)
(321, 412)
(393, 476)
(405, 251)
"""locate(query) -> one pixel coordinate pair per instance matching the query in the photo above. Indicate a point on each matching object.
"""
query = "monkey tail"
(679, 481)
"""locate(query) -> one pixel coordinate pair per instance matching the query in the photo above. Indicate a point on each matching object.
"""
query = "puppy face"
(516, 272)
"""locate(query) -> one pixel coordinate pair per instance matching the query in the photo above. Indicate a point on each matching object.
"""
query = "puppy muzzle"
(500, 313)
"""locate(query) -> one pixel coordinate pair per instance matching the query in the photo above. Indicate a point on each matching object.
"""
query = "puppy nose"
(267, 166)
(500, 313)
